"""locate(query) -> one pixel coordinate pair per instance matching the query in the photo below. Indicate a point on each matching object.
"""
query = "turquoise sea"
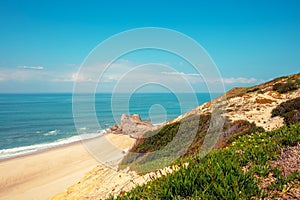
(35, 122)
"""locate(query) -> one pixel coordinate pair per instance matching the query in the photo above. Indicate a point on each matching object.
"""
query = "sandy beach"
(45, 174)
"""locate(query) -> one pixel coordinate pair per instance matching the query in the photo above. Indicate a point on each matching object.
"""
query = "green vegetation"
(285, 87)
(239, 128)
(289, 110)
(240, 91)
(234, 172)
(291, 83)
(282, 85)
(252, 89)
(158, 148)
(154, 150)
(278, 79)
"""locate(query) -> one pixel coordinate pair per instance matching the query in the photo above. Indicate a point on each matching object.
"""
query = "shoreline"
(43, 174)
(50, 148)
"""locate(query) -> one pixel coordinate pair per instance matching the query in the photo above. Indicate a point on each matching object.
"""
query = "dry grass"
(263, 101)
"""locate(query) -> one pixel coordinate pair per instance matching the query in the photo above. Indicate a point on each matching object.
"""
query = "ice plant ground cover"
(244, 169)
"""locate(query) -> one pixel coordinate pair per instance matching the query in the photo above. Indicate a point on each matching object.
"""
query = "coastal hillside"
(256, 156)
(259, 108)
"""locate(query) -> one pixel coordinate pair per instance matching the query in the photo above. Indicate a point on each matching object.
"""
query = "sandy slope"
(254, 107)
(42, 175)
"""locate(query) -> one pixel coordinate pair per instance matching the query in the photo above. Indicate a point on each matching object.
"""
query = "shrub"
(238, 128)
(285, 87)
(252, 89)
(145, 155)
(292, 117)
(140, 157)
(289, 110)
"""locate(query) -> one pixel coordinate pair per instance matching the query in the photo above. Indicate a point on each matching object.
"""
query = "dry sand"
(42, 175)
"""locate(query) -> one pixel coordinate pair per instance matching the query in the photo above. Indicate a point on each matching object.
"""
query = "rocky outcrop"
(132, 125)
(116, 128)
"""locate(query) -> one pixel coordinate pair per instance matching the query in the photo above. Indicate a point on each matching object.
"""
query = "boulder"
(134, 126)
(116, 129)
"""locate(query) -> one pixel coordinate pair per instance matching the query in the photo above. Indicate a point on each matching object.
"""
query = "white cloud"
(23, 73)
(231, 80)
(173, 73)
(123, 74)
(81, 78)
(239, 80)
(31, 67)
(112, 75)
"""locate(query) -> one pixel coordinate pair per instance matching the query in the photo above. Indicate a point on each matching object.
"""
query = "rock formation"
(132, 125)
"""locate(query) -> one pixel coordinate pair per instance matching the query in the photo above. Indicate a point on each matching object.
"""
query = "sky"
(44, 43)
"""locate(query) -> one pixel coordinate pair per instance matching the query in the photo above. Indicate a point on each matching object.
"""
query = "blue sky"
(43, 43)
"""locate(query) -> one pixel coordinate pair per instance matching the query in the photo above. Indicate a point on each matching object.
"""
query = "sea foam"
(52, 132)
(24, 150)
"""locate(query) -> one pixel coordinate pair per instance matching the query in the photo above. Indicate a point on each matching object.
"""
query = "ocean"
(35, 122)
